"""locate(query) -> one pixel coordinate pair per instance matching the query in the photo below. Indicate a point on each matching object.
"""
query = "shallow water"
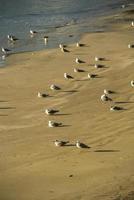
(62, 20)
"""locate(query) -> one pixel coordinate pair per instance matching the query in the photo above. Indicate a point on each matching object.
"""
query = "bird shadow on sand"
(64, 125)
(99, 66)
(67, 51)
(2, 115)
(6, 108)
(106, 151)
(123, 102)
(2, 101)
(70, 91)
(70, 145)
(82, 45)
(112, 92)
(62, 114)
(85, 146)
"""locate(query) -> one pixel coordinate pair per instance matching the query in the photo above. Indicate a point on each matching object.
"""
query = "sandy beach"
(31, 166)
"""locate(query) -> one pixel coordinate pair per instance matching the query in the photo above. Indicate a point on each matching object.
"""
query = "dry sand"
(31, 167)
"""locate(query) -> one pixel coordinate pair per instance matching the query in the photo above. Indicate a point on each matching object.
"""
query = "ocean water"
(64, 21)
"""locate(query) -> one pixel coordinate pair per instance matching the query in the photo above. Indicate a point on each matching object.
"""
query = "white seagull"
(55, 87)
(130, 46)
(45, 39)
(132, 83)
(51, 111)
(59, 143)
(67, 76)
(90, 76)
(5, 51)
(53, 124)
(61, 46)
(78, 44)
(115, 108)
(42, 95)
(107, 91)
(132, 23)
(81, 145)
(78, 70)
(33, 33)
(104, 97)
(77, 60)
(11, 38)
(97, 58)
(97, 66)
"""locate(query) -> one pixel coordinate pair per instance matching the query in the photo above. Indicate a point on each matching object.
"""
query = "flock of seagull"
(104, 97)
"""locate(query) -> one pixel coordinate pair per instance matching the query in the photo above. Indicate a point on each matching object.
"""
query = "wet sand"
(31, 167)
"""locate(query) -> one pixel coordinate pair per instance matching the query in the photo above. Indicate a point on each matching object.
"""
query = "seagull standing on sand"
(90, 76)
(132, 23)
(77, 61)
(81, 145)
(130, 46)
(55, 87)
(104, 97)
(51, 111)
(61, 46)
(78, 70)
(67, 76)
(107, 91)
(78, 44)
(115, 108)
(59, 143)
(42, 95)
(97, 66)
(132, 83)
(97, 58)
(53, 124)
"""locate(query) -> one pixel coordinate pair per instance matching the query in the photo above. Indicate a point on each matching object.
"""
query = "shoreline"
(95, 23)
(31, 166)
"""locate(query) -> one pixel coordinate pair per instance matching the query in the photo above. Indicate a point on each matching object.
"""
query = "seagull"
(81, 145)
(54, 124)
(42, 95)
(55, 87)
(11, 38)
(67, 76)
(61, 46)
(107, 91)
(45, 39)
(32, 32)
(97, 66)
(130, 46)
(51, 111)
(98, 58)
(132, 23)
(104, 97)
(5, 51)
(114, 108)
(78, 44)
(78, 70)
(132, 83)
(59, 143)
(77, 60)
(91, 75)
